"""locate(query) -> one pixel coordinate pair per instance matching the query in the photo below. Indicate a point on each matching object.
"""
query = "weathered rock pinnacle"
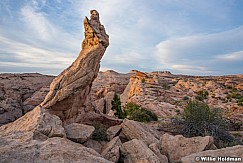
(69, 90)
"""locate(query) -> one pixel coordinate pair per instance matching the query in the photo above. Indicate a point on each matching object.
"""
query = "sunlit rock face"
(69, 90)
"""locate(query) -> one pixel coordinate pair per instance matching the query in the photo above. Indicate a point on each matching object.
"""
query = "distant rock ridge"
(69, 90)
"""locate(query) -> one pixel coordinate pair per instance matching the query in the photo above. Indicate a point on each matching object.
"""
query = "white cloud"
(37, 23)
(200, 51)
(187, 69)
(235, 56)
(30, 55)
(147, 35)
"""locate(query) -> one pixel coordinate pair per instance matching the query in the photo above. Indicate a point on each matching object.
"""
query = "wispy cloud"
(197, 52)
(183, 36)
(235, 56)
(39, 42)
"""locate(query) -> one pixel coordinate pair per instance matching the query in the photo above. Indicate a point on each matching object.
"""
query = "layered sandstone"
(69, 90)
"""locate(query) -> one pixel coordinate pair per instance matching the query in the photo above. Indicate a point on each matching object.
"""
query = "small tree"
(200, 120)
(116, 106)
(136, 113)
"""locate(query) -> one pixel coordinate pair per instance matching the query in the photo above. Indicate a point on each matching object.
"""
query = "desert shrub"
(100, 132)
(201, 95)
(240, 101)
(200, 120)
(143, 80)
(234, 95)
(166, 86)
(132, 111)
(185, 98)
(116, 106)
(136, 113)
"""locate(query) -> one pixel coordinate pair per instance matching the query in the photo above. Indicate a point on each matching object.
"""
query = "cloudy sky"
(199, 37)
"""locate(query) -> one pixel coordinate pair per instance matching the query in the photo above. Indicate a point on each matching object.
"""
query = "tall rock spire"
(69, 90)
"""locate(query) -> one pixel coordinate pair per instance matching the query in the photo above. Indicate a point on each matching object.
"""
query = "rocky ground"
(166, 94)
(161, 92)
(20, 93)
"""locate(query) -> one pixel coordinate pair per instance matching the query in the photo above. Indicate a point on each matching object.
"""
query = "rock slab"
(176, 147)
(135, 130)
(111, 150)
(136, 151)
(79, 132)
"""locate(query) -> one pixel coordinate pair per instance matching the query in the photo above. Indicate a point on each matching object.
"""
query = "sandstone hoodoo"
(69, 90)
(39, 136)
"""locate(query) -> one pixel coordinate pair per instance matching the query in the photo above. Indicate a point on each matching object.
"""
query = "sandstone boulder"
(136, 151)
(155, 148)
(95, 145)
(135, 130)
(39, 123)
(176, 147)
(113, 131)
(219, 155)
(69, 90)
(79, 132)
(111, 150)
(50, 151)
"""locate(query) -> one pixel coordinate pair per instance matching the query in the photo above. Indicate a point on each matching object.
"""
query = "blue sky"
(182, 36)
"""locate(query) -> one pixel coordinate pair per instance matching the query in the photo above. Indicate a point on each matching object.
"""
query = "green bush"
(143, 80)
(234, 95)
(185, 98)
(201, 95)
(100, 132)
(240, 101)
(166, 86)
(116, 106)
(136, 113)
(132, 111)
(200, 120)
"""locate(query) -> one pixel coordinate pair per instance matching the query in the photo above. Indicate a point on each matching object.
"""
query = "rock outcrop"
(167, 94)
(70, 89)
(17, 91)
(176, 147)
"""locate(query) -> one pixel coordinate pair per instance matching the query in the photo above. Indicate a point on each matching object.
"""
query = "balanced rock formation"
(39, 136)
(69, 90)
